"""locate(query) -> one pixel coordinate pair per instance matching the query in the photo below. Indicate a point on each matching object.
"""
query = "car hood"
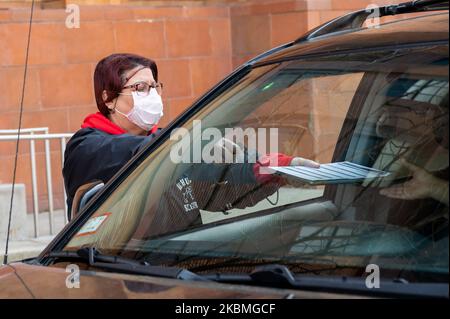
(20, 280)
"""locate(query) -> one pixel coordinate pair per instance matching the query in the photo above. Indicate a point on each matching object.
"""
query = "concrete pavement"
(30, 246)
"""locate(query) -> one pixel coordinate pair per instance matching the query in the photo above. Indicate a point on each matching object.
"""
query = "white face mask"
(146, 111)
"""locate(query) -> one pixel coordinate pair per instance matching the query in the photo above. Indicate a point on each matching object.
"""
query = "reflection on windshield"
(225, 217)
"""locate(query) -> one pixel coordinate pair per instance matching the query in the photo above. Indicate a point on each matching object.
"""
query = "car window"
(389, 114)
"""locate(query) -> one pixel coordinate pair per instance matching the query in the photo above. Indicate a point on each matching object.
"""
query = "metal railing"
(30, 134)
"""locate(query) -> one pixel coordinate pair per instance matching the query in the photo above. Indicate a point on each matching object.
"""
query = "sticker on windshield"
(92, 225)
(185, 187)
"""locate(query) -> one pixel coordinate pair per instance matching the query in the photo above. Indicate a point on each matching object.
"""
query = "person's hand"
(420, 186)
(300, 161)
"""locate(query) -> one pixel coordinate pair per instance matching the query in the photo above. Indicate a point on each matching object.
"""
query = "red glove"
(276, 159)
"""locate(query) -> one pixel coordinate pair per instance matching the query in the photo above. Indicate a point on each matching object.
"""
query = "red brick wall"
(257, 26)
(194, 46)
(184, 42)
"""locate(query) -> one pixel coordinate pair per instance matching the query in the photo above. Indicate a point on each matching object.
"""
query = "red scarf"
(102, 123)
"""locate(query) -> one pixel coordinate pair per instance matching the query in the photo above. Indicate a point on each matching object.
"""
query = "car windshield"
(385, 110)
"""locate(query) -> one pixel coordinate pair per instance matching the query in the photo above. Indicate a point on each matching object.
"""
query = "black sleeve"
(210, 187)
(221, 187)
(93, 155)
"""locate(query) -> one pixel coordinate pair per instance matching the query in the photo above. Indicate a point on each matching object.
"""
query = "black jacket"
(92, 155)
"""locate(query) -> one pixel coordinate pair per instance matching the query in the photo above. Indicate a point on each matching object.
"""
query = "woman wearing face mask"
(128, 97)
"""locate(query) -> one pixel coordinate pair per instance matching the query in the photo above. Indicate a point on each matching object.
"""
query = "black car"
(369, 103)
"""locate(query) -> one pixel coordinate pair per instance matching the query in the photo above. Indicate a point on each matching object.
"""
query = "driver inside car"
(422, 131)
(415, 151)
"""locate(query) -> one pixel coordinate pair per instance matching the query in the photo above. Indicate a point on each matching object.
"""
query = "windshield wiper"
(96, 259)
(273, 275)
(280, 276)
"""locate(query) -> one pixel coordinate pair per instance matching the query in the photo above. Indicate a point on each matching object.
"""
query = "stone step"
(22, 249)
(30, 246)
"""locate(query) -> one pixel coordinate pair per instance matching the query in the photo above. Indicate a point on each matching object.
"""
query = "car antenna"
(5, 257)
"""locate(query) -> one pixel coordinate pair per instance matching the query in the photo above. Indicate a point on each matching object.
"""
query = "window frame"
(330, 190)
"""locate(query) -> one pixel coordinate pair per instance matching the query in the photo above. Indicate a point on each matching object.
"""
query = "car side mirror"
(82, 196)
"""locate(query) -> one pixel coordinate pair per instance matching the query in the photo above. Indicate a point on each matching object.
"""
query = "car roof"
(427, 28)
